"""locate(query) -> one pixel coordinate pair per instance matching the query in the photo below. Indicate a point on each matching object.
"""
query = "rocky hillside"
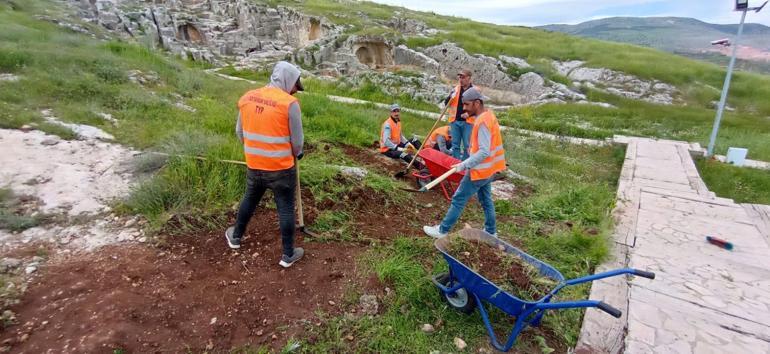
(402, 53)
(250, 35)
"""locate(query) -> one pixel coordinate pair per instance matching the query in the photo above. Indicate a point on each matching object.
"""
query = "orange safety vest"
(443, 131)
(266, 132)
(496, 160)
(395, 133)
(453, 103)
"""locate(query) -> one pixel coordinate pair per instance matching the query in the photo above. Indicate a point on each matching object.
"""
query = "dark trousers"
(283, 184)
(395, 154)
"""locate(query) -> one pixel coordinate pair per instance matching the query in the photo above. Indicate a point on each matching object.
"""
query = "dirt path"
(192, 294)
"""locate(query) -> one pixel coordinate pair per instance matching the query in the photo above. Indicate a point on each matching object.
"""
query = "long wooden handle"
(426, 138)
(299, 197)
(439, 180)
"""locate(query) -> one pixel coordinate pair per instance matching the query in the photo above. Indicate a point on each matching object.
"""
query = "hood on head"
(284, 76)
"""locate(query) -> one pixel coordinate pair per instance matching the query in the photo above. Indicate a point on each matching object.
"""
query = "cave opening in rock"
(374, 54)
(315, 29)
(189, 33)
(364, 56)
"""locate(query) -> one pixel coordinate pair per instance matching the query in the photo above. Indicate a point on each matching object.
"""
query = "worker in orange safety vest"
(487, 157)
(270, 126)
(393, 144)
(440, 140)
(460, 122)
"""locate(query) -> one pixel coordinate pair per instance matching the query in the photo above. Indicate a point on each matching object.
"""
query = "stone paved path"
(704, 299)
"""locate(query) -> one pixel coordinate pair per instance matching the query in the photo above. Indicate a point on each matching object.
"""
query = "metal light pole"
(741, 5)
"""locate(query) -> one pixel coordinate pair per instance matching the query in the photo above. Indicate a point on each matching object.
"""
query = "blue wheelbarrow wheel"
(461, 300)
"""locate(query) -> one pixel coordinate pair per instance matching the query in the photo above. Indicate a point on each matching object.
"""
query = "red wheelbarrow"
(439, 163)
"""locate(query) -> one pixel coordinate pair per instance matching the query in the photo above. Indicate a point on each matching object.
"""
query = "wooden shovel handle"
(440, 179)
(299, 197)
(426, 138)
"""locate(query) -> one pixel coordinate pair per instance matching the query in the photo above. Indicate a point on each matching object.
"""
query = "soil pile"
(508, 271)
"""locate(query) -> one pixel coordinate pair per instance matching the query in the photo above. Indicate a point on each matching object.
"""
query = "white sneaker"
(433, 231)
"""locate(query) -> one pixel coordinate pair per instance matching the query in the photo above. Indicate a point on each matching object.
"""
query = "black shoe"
(287, 261)
(233, 242)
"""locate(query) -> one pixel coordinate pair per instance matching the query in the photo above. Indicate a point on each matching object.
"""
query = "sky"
(543, 12)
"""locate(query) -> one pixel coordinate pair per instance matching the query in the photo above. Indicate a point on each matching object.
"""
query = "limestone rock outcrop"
(491, 75)
(205, 30)
(617, 83)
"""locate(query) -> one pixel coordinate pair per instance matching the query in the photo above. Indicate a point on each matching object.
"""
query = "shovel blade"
(307, 232)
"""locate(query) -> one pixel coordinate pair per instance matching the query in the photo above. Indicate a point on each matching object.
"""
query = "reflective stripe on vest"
(495, 162)
(395, 134)
(266, 132)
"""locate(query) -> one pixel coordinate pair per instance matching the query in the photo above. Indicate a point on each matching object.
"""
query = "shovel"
(433, 183)
(301, 225)
(404, 172)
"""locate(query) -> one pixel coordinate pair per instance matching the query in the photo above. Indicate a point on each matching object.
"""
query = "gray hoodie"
(284, 77)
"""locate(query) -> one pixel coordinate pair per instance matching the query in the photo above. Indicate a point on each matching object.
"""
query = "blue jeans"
(466, 190)
(461, 134)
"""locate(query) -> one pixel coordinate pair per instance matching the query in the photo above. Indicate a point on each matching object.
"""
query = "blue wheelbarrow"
(465, 289)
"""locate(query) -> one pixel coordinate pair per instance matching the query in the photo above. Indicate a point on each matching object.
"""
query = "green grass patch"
(11, 218)
(741, 184)
(637, 118)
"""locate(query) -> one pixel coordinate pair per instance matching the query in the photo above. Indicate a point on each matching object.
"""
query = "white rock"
(517, 62)
(30, 269)
(356, 173)
(427, 328)
(130, 222)
(459, 343)
(8, 77)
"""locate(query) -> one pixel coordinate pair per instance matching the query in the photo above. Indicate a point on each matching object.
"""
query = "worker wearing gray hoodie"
(270, 126)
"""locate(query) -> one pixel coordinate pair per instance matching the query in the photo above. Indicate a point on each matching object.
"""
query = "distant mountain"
(681, 35)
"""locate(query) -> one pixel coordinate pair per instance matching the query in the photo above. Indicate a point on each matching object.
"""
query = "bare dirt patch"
(191, 294)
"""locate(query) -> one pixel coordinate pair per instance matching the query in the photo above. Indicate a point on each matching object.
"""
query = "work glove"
(399, 149)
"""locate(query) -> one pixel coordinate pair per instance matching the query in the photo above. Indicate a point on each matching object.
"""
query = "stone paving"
(704, 299)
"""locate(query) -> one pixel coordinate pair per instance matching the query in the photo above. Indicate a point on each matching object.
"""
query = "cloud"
(540, 12)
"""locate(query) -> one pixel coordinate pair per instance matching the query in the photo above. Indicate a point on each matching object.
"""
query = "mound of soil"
(506, 270)
(193, 294)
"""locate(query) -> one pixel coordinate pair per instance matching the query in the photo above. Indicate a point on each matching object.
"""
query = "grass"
(741, 184)
(367, 90)
(10, 217)
(638, 118)
(572, 185)
(698, 82)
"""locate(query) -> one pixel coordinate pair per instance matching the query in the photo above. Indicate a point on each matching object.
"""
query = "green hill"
(685, 36)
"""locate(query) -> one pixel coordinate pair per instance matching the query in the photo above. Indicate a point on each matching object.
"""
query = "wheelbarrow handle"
(611, 273)
(609, 309)
(601, 305)
(644, 274)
